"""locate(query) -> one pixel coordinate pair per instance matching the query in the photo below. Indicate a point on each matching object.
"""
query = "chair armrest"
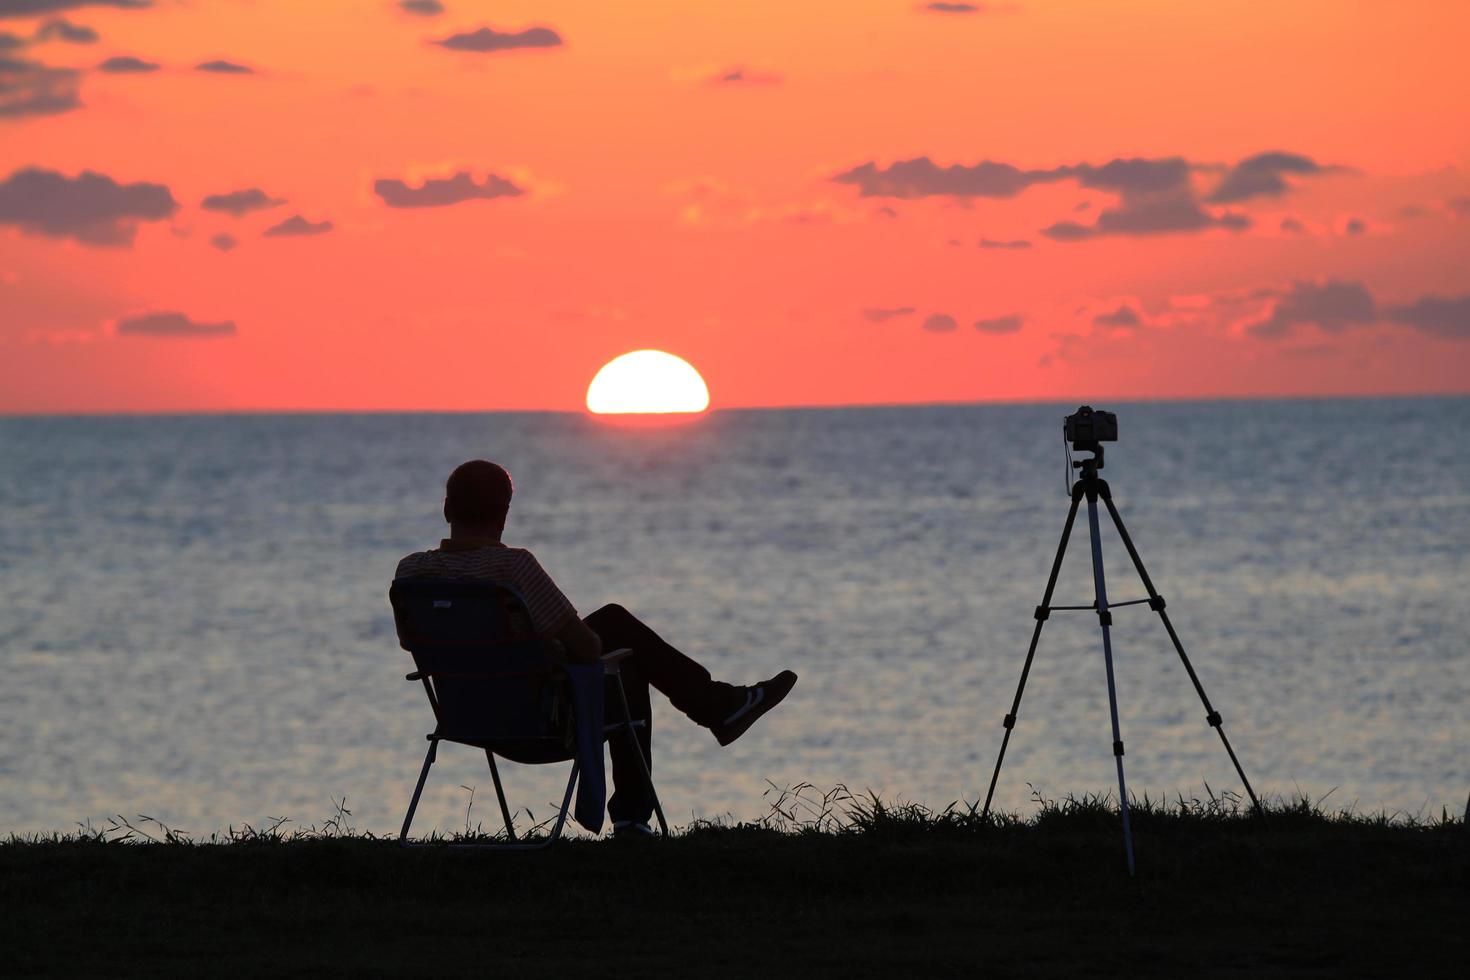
(611, 661)
(472, 675)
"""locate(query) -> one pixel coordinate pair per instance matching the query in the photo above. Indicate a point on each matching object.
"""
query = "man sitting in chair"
(476, 501)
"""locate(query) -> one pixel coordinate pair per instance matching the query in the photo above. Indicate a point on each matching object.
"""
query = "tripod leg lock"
(1118, 747)
(1157, 603)
(1214, 719)
(1042, 614)
(1010, 722)
(1105, 617)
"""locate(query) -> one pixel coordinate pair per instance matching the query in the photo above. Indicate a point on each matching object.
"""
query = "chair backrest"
(489, 673)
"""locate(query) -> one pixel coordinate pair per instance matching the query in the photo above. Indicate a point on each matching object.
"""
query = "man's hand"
(582, 646)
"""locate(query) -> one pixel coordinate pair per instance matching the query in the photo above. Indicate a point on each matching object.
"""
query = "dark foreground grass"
(825, 886)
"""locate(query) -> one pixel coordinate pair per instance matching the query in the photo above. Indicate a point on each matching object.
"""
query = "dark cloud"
(879, 314)
(296, 226)
(1000, 324)
(1312, 352)
(885, 212)
(486, 40)
(424, 8)
(443, 191)
(242, 202)
(30, 8)
(221, 67)
(744, 76)
(1459, 206)
(172, 325)
(11, 42)
(1355, 226)
(1157, 195)
(29, 88)
(1332, 305)
(91, 208)
(1166, 175)
(1147, 215)
(1442, 316)
(1123, 316)
(126, 64)
(1067, 231)
(1013, 243)
(66, 31)
(1292, 226)
(953, 8)
(224, 241)
(922, 177)
(1261, 176)
(940, 323)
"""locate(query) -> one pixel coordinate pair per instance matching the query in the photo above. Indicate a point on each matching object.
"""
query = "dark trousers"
(654, 663)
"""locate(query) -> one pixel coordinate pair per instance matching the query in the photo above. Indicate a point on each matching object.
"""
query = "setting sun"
(647, 382)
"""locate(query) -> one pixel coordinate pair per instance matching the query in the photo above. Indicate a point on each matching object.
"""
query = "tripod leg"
(1105, 618)
(1042, 612)
(1156, 603)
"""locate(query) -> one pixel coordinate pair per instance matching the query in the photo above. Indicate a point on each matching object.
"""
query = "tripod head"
(1090, 466)
(1085, 430)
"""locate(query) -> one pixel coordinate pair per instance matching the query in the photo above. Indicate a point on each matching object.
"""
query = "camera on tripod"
(1085, 430)
(1087, 427)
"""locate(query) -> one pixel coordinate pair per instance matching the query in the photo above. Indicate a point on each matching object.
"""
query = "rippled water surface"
(194, 622)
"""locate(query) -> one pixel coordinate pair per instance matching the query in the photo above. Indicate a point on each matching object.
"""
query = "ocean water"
(194, 621)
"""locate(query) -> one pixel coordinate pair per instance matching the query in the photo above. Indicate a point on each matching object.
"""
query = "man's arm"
(547, 604)
(582, 646)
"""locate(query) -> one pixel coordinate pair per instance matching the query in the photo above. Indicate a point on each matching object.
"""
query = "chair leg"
(552, 838)
(510, 830)
(658, 809)
(413, 804)
(566, 803)
(514, 844)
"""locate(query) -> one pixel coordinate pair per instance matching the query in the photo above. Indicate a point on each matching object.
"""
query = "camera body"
(1087, 427)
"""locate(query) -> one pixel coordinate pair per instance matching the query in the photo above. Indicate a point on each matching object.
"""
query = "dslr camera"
(1087, 427)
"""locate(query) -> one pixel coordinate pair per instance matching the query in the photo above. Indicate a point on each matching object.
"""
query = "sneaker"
(631, 830)
(758, 700)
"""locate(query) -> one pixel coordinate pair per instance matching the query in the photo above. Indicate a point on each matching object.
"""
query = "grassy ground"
(825, 886)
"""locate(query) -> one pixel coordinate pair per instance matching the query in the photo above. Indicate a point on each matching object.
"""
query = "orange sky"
(664, 206)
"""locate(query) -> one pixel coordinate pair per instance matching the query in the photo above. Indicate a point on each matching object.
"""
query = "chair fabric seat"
(529, 749)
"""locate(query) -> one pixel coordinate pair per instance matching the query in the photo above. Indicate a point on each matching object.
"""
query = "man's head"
(477, 497)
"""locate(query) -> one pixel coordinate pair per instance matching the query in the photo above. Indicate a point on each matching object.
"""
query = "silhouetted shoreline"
(870, 892)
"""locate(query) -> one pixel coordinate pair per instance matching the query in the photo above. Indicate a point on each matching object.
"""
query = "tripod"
(1092, 487)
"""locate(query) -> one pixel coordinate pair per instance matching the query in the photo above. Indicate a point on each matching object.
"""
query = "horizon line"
(821, 407)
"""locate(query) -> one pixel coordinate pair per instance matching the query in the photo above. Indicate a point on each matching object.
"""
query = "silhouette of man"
(476, 501)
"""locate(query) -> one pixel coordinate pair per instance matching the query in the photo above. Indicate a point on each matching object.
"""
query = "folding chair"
(492, 687)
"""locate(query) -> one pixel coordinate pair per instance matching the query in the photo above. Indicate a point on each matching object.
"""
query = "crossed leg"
(657, 664)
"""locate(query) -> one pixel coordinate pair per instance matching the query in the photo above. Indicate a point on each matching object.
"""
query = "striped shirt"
(550, 609)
